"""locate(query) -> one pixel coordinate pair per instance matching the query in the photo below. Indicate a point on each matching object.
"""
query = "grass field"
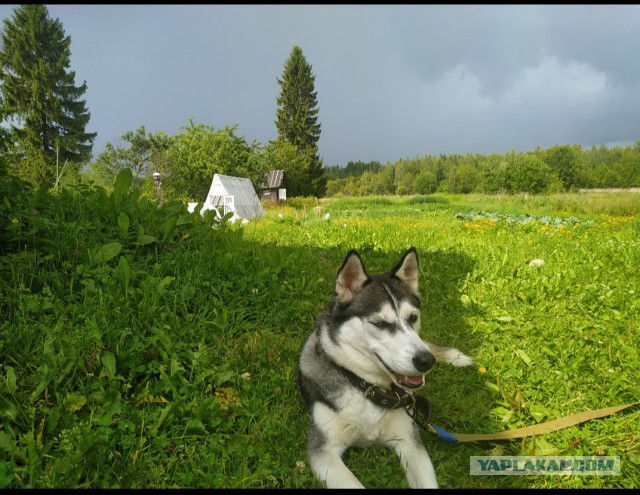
(140, 348)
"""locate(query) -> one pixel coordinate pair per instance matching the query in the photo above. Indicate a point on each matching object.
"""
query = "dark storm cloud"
(392, 81)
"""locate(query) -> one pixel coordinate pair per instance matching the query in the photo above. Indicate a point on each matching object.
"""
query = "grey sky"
(392, 81)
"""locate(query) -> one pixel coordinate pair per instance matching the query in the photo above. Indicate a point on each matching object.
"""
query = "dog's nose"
(423, 361)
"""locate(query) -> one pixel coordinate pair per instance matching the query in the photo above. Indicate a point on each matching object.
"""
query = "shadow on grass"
(217, 325)
(460, 401)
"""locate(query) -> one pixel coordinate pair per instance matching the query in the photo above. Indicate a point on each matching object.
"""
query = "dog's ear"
(351, 277)
(408, 270)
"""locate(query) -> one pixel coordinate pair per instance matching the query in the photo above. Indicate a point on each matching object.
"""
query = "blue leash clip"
(443, 434)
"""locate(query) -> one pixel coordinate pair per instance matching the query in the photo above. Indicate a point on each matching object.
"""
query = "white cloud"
(553, 82)
(457, 92)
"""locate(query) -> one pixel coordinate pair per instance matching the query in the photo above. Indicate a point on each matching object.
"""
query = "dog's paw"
(462, 360)
(458, 359)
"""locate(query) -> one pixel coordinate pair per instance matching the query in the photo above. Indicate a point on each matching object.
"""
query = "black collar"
(418, 407)
(393, 398)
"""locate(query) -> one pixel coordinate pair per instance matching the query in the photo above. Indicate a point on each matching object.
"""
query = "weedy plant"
(143, 346)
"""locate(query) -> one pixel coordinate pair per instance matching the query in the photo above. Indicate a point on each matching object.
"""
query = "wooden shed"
(274, 188)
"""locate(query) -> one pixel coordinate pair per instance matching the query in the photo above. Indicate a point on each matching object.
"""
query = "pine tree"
(297, 119)
(40, 98)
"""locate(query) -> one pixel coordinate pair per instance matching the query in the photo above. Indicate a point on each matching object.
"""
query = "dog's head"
(379, 320)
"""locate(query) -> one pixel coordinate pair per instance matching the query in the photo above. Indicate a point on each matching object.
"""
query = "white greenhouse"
(232, 194)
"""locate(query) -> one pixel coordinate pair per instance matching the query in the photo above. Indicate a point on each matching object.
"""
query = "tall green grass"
(140, 347)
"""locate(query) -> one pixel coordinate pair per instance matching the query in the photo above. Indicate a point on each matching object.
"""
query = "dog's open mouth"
(409, 381)
(406, 381)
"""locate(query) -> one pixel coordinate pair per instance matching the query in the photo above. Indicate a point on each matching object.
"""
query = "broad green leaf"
(11, 379)
(175, 366)
(44, 379)
(543, 447)
(195, 427)
(185, 219)
(503, 413)
(7, 444)
(163, 415)
(75, 402)
(47, 347)
(107, 252)
(492, 386)
(170, 225)
(164, 282)
(87, 442)
(537, 415)
(506, 417)
(108, 365)
(224, 377)
(548, 351)
(125, 273)
(123, 183)
(8, 410)
(523, 355)
(538, 412)
(123, 222)
(146, 239)
(226, 217)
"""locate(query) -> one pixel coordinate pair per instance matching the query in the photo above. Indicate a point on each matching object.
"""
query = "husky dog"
(359, 367)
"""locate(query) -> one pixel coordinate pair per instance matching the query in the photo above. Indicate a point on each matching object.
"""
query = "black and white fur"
(371, 329)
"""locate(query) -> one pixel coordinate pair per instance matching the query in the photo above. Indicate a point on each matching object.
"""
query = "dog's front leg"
(417, 464)
(404, 438)
(328, 466)
(329, 436)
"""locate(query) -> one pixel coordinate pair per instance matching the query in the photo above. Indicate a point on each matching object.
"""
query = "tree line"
(188, 160)
(558, 168)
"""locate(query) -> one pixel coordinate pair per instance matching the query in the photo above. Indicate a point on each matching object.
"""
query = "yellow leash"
(527, 431)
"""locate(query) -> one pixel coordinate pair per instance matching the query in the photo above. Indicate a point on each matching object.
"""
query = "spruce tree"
(39, 97)
(297, 119)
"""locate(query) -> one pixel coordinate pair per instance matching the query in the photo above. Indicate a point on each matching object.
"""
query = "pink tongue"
(411, 380)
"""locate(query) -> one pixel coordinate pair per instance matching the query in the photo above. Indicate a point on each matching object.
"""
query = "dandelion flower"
(300, 465)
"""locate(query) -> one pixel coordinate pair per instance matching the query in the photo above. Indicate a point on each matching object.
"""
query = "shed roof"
(274, 179)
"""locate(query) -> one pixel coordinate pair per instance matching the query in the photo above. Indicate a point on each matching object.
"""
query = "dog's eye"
(380, 323)
(412, 319)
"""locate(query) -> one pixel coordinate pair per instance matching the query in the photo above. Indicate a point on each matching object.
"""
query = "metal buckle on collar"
(399, 402)
(395, 405)
(391, 399)
(370, 391)
(420, 412)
